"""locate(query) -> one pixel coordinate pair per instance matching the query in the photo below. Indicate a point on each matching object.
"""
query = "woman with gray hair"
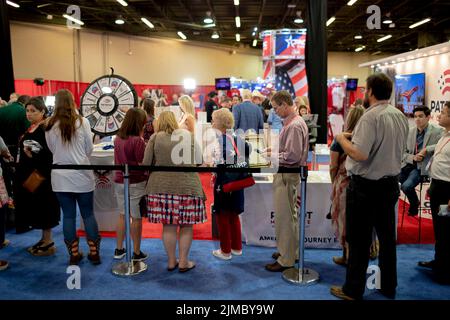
(228, 205)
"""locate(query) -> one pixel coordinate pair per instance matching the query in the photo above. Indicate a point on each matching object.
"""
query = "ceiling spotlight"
(330, 21)
(254, 34)
(419, 23)
(208, 18)
(387, 21)
(360, 48)
(73, 19)
(12, 4)
(384, 38)
(238, 22)
(238, 37)
(181, 35)
(298, 20)
(255, 42)
(122, 2)
(236, 2)
(148, 23)
(255, 29)
(215, 35)
(351, 2)
(120, 20)
(358, 37)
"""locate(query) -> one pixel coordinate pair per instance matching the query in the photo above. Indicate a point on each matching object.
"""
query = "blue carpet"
(242, 278)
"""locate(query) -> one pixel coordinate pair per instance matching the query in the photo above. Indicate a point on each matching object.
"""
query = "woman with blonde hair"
(187, 107)
(69, 138)
(340, 181)
(175, 199)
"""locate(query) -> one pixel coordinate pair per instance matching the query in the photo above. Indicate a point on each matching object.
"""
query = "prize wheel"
(105, 102)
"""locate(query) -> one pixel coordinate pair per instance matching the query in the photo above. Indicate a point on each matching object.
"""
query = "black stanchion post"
(302, 275)
(129, 267)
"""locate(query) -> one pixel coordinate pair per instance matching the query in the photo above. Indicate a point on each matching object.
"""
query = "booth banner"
(258, 219)
(291, 76)
(290, 45)
(267, 46)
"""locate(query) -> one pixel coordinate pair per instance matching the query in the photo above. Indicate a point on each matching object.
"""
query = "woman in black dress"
(40, 209)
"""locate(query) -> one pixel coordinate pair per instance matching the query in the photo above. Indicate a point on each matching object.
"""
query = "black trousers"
(440, 194)
(371, 204)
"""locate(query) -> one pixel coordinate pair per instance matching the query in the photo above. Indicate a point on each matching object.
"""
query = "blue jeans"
(410, 178)
(68, 202)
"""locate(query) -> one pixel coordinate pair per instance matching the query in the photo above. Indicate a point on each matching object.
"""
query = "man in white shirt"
(440, 202)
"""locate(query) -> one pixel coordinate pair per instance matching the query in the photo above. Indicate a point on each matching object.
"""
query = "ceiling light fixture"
(122, 2)
(236, 2)
(209, 25)
(181, 35)
(330, 21)
(298, 19)
(351, 2)
(358, 37)
(384, 38)
(120, 20)
(238, 37)
(215, 35)
(208, 18)
(419, 23)
(148, 23)
(360, 48)
(73, 19)
(254, 34)
(238, 22)
(12, 4)
(387, 21)
(255, 42)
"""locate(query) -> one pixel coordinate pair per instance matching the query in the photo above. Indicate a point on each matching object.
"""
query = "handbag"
(33, 181)
(235, 181)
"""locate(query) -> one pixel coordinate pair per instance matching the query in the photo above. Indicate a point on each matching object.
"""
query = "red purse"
(235, 181)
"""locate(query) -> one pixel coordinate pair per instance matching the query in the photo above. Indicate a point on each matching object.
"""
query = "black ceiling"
(170, 16)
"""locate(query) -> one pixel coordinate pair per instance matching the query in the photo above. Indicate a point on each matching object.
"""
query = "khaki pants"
(285, 187)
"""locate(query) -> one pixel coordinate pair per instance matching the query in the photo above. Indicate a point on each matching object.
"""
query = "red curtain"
(50, 87)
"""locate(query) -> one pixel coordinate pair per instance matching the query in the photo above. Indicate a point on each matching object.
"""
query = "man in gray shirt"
(374, 162)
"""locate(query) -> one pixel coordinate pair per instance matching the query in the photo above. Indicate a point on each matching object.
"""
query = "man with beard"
(373, 164)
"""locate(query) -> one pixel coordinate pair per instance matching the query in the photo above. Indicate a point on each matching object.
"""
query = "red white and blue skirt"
(175, 209)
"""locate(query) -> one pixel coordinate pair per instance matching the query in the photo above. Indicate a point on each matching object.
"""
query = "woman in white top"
(69, 138)
(188, 119)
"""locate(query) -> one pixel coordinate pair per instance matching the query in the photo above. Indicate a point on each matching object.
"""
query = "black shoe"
(139, 257)
(276, 267)
(119, 253)
(426, 264)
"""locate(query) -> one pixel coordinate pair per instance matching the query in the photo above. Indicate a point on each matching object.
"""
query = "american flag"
(290, 75)
(444, 82)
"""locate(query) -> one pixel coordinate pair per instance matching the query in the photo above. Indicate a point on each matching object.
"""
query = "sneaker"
(236, 252)
(3, 265)
(119, 253)
(5, 244)
(139, 257)
(219, 254)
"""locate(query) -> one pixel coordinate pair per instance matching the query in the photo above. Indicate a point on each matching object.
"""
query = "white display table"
(258, 218)
(105, 203)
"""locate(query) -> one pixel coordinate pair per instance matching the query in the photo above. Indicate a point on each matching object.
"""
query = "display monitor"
(223, 84)
(352, 84)
(409, 91)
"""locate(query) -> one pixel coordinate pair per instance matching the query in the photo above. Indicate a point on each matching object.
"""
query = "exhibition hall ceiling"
(353, 28)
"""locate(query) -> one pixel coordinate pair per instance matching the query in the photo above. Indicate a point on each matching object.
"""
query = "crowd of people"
(375, 155)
